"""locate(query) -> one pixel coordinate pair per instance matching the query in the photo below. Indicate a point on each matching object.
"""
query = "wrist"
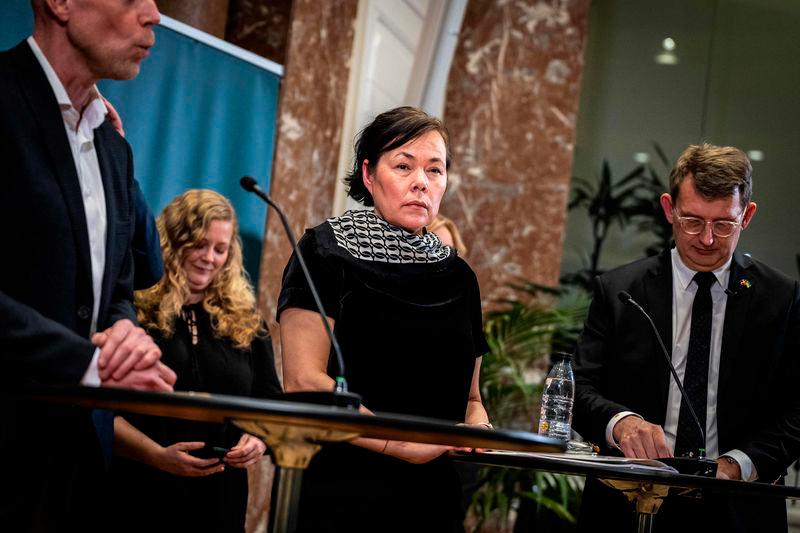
(155, 456)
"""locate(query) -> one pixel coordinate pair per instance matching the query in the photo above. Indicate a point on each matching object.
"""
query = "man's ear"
(666, 206)
(748, 214)
(365, 175)
(59, 9)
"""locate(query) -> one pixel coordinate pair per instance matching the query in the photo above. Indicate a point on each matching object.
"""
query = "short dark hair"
(718, 172)
(388, 131)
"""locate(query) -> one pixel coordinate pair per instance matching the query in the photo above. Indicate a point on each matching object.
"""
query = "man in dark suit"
(67, 209)
(732, 326)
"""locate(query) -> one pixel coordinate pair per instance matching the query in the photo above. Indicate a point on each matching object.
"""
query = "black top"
(410, 332)
(217, 502)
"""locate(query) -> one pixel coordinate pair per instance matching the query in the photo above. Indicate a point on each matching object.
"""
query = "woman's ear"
(365, 175)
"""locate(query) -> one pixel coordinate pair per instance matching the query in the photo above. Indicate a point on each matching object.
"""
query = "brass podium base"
(293, 448)
(646, 495)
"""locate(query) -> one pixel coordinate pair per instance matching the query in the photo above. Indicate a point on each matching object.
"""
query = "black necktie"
(695, 380)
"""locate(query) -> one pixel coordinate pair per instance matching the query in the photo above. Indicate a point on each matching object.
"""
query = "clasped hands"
(640, 439)
(130, 359)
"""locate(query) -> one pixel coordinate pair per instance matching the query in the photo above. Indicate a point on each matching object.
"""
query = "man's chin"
(701, 262)
(123, 72)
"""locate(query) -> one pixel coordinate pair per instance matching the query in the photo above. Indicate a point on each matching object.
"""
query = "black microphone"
(685, 465)
(341, 395)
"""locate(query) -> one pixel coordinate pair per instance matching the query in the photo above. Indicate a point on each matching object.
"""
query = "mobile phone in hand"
(209, 452)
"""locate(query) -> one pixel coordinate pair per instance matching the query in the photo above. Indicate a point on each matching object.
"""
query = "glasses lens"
(723, 228)
(691, 225)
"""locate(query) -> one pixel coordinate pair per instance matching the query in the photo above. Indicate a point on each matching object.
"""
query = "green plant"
(521, 336)
(607, 202)
(651, 219)
(633, 198)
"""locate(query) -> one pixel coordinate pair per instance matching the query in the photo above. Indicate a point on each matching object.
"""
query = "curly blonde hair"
(228, 299)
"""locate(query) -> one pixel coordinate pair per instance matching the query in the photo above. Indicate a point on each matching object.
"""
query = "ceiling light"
(755, 155)
(667, 54)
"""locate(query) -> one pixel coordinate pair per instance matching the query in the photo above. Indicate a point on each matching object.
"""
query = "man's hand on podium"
(130, 358)
(640, 439)
(728, 468)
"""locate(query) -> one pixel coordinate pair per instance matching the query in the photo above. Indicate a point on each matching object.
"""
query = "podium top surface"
(573, 464)
(219, 408)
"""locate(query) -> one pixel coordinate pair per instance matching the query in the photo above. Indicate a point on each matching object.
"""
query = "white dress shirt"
(80, 132)
(683, 292)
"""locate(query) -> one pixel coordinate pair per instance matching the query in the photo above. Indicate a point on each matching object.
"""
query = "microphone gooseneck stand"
(294, 448)
(700, 465)
(340, 396)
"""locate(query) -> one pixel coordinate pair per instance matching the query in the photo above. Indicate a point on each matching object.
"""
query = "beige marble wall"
(310, 115)
(511, 108)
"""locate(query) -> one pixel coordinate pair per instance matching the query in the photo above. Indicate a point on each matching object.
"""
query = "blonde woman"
(448, 233)
(202, 315)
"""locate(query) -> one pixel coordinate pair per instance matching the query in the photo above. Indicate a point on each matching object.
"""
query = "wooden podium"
(295, 431)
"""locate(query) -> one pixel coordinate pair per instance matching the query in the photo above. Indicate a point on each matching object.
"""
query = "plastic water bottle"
(555, 419)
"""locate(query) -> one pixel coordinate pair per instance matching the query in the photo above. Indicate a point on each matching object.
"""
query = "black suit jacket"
(46, 292)
(619, 365)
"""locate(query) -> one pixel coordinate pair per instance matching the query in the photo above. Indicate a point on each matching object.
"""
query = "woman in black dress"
(203, 316)
(407, 313)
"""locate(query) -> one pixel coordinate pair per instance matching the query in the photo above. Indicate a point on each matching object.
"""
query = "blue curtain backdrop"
(195, 116)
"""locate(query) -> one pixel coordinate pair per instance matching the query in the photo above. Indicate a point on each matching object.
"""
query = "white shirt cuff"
(613, 422)
(746, 466)
(92, 376)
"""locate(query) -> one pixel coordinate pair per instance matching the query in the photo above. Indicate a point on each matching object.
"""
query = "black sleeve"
(776, 443)
(37, 349)
(328, 281)
(148, 266)
(593, 410)
(265, 378)
(476, 318)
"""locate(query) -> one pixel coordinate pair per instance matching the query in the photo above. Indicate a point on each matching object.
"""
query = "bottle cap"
(560, 356)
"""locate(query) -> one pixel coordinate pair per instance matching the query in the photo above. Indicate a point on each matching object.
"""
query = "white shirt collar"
(94, 114)
(684, 275)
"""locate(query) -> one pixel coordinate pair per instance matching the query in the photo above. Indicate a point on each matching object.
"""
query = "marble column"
(210, 16)
(261, 26)
(511, 108)
(310, 115)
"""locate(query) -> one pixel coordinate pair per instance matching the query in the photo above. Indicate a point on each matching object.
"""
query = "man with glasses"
(732, 326)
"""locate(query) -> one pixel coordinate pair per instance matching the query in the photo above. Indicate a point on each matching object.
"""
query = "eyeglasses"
(695, 226)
